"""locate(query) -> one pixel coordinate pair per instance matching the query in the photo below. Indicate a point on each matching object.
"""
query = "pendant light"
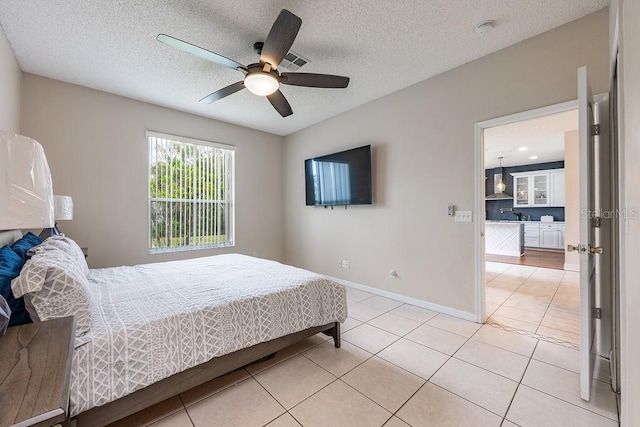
(500, 185)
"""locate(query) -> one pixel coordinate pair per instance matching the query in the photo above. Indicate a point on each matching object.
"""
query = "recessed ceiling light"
(522, 149)
(533, 157)
(484, 27)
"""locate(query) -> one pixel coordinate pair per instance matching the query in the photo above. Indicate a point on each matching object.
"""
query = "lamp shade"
(62, 208)
(26, 192)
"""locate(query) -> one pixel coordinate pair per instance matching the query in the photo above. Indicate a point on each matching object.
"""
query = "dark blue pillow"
(22, 246)
(10, 266)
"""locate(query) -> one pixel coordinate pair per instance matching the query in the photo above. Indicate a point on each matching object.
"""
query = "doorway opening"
(530, 210)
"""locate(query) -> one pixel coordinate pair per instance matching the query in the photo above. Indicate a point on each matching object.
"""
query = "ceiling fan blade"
(280, 103)
(280, 38)
(314, 80)
(225, 91)
(199, 52)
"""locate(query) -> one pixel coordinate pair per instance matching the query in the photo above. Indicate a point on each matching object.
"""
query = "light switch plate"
(464, 216)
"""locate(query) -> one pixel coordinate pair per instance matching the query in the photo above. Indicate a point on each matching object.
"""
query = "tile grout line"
(184, 407)
(448, 391)
(567, 402)
(548, 305)
(544, 392)
(519, 383)
(272, 396)
(322, 388)
(376, 355)
(513, 292)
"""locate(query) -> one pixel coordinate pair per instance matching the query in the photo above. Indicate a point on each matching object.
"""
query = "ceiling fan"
(262, 78)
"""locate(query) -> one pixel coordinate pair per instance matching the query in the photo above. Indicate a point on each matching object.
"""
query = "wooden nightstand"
(35, 367)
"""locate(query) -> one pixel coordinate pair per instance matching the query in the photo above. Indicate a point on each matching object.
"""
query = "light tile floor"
(535, 300)
(405, 366)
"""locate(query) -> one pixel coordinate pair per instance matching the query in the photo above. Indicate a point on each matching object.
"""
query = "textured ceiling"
(542, 137)
(383, 46)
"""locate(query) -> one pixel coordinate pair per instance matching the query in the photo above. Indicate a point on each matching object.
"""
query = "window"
(190, 194)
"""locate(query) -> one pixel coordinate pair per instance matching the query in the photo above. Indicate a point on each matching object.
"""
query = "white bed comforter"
(152, 321)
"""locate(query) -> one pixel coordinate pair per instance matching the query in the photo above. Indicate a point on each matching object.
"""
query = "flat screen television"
(338, 179)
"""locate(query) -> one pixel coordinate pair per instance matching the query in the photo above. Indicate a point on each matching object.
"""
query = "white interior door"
(586, 247)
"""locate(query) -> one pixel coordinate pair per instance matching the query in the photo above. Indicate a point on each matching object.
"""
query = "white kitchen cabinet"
(504, 238)
(532, 235)
(521, 184)
(552, 236)
(544, 235)
(539, 188)
(556, 190)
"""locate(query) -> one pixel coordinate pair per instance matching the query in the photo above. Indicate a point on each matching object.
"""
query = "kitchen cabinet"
(544, 235)
(504, 238)
(539, 188)
(556, 190)
(552, 236)
(532, 235)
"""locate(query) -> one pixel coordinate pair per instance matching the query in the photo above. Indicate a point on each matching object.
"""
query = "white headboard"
(9, 236)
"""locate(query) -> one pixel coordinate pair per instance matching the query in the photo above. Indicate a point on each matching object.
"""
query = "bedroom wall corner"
(10, 86)
(422, 139)
(97, 151)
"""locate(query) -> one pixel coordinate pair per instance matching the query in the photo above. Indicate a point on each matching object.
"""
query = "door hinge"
(595, 130)
(597, 313)
(596, 222)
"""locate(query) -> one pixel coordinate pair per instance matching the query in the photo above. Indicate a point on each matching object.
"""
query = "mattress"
(152, 321)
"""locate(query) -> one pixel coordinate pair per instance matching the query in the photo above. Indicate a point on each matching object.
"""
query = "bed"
(157, 330)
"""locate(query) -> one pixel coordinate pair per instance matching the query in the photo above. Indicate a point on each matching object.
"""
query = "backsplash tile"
(493, 206)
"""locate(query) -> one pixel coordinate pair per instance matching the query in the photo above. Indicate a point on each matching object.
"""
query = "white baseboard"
(571, 267)
(409, 300)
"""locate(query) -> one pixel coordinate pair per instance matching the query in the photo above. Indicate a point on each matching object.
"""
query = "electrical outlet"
(344, 263)
(464, 216)
(255, 254)
(393, 274)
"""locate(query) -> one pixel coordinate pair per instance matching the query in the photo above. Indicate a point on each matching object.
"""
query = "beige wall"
(423, 142)
(571, 201)
(97, 151)
(10, 81)
(630, 159)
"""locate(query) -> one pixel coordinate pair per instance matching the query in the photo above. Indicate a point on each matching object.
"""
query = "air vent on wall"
(293, 62)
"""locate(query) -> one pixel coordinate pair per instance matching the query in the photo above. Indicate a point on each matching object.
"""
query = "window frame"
(230, 188)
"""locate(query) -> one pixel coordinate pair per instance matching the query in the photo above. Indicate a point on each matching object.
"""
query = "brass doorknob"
(583, 249)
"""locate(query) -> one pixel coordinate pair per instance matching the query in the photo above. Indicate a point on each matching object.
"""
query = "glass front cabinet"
(538, 188)
(521, 198)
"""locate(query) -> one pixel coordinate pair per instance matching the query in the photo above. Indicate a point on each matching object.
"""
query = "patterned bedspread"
(152, 321)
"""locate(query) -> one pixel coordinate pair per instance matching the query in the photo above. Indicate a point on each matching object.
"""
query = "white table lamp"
(62, 211)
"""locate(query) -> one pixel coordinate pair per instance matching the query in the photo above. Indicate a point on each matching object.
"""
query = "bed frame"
(183, 381)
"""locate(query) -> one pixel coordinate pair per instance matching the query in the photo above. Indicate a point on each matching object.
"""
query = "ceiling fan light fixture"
(262, 84)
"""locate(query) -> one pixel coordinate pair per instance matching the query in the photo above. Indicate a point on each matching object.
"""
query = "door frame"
(479, 183)
(479, 128)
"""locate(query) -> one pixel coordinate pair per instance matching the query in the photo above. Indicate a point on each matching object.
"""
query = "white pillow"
(65, 244)
(54, 286)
